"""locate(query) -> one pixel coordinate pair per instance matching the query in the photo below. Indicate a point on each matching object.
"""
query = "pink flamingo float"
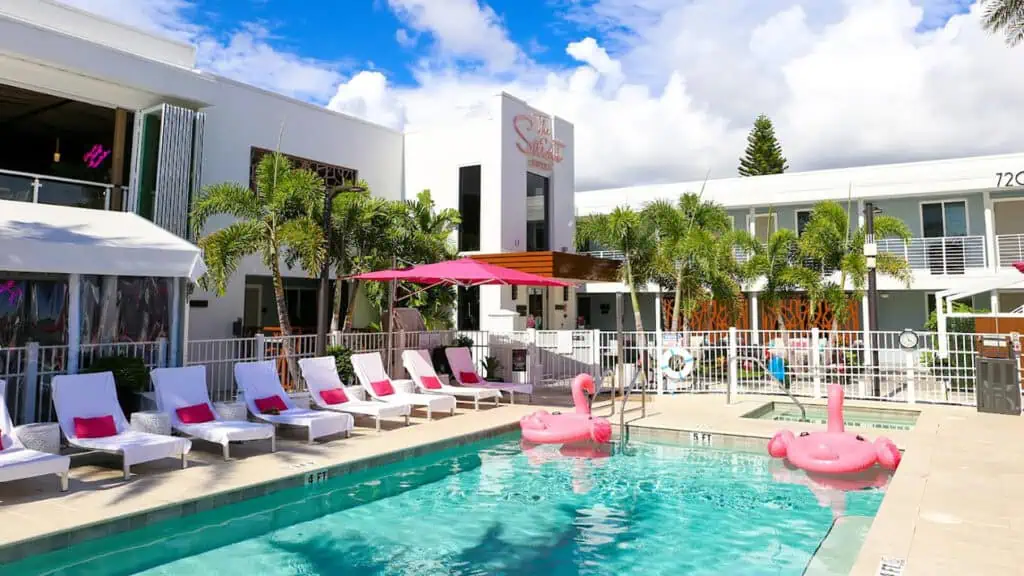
(834, 451)
(542, 427)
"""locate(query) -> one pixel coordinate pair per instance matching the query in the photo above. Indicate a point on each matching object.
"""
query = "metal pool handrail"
(764, 368)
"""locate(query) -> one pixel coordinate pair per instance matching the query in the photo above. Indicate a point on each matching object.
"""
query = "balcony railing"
(945, 255)
(1009, 248)
(41, 189)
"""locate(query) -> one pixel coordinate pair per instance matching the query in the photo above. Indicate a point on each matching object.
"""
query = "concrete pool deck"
(948, 510)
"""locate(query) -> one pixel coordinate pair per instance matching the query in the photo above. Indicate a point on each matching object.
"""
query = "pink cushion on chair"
(334, 396)
(274, 402)
(382, 388)
(431, 383)
(196, 414)
(99, 427)
(469, 378)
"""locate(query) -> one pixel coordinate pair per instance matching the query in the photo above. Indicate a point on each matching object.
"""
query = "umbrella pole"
(391, 320)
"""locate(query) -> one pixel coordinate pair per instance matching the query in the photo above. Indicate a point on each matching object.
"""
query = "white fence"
(737, 361)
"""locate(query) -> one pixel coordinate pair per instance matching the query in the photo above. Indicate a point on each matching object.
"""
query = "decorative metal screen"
(332, 175)
(174, 170)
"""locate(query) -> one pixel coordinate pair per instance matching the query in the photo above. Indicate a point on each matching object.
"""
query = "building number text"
(1007, 179)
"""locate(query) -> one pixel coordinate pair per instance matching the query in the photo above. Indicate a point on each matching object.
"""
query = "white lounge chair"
(91, 418)
(18, 462)
(418, 363)
(370, 370)
(461, 362)
(259, 384)
(327, 392)
(180, 391)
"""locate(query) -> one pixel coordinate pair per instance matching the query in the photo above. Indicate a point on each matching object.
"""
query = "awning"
(563, 265)
(64, 240)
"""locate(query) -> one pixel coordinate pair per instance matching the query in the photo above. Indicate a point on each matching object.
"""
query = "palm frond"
(227, 198)
(224, 249)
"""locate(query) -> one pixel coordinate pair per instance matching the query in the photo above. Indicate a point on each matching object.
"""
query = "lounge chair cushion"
(195, 414)
(5, 441)
(469, 378)
(269, 403)
(334, 396)
(431, 383)
(382, 388)
(98, 427)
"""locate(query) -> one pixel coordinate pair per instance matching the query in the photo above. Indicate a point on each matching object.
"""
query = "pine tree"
(764, 153)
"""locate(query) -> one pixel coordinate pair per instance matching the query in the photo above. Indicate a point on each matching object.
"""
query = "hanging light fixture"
(56, 152)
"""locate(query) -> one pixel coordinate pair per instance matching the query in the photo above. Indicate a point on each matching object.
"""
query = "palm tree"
(352, 225)
(780, 269)
(834, 245)
(281, 213)
(630, 233)
(696, 253)
(1006, 17)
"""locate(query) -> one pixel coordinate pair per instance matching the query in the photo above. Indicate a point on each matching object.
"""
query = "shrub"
(131, 377)
(343, 362)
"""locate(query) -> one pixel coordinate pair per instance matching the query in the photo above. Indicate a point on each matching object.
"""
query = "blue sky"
(658, 90)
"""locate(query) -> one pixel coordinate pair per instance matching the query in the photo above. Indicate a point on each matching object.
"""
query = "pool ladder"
(782, 385)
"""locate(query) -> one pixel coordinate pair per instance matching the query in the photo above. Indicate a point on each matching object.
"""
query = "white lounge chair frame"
(18, 462)
(418, 364)
(94, 395)
(370, 368)
(186, 386)
(321, 374)
(259, 380)
(461, 360)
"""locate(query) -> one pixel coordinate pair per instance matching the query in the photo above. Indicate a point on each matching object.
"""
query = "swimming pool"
(487, 508)
(882, 419)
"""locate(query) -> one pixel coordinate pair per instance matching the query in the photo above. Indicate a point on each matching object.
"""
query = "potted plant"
(131, 378)
(343, 363)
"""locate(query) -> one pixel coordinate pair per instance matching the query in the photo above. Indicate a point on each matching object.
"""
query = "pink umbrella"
(465, 272)
(1019, 266)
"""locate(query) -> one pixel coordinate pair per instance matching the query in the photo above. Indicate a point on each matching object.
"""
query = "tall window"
(803, 217)
(538, 232)
(469, 208)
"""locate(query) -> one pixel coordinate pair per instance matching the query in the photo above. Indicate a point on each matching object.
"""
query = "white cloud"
(671, 87)
(404, 38)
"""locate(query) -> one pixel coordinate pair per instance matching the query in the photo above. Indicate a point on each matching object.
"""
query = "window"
(32, 308)
(764, 225)
(802, 218)
(332, 175)
(468, 315)
(537, 229)
(469, 208)
(515, 293)
(940, 219)
(125, 308)
(301, 304)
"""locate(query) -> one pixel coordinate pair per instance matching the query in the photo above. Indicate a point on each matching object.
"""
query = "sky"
(658, 90)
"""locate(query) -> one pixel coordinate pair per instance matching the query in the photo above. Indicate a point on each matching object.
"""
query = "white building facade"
(966, 218)
(161, 129)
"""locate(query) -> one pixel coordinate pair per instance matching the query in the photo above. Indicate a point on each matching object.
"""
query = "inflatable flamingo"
(833, 451)
(542, 427)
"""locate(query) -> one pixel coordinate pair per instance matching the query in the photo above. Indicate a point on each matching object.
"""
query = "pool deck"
(950, 509)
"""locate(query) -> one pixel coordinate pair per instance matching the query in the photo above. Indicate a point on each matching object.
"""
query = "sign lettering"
(1009, 179)
(535, 140)
(318, 477)
(95, 156)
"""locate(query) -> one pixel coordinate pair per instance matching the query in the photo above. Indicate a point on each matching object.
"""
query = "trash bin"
(997, 378)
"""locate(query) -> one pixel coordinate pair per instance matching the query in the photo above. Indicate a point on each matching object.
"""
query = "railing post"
(31, 370)
(733, 358)
(815, 352)
(106, 198)
(868, 363)
(261, 347)
(161, 352)
(911, 388)
(595, 354)
(35, 191)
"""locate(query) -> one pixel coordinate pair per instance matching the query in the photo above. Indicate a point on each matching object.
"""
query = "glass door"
(944, 225)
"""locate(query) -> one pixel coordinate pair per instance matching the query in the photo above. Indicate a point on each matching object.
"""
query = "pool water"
(488, 508)
(852, 416)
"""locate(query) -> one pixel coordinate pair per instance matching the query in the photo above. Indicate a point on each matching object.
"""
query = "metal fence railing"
(725, 361)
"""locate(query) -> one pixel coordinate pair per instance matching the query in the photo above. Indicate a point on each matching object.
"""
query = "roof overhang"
(63, 240)
(561, 265)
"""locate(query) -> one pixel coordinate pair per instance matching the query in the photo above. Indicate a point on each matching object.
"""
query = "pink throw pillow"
(431, 383)
(99, 427)
(382, 388)
(269, 403)
(196, 414)
(469, 378)
(334, 396)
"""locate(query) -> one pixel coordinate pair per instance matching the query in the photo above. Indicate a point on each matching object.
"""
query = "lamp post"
(871, 254)
(323, 307)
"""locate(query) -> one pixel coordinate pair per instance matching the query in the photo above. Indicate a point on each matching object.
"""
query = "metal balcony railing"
(41, 189)
(1009, 249)
(944, 255)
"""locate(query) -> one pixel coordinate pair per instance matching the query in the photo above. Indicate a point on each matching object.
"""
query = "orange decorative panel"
(796, 313)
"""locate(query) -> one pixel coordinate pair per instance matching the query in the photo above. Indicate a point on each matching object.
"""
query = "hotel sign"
(536, 141)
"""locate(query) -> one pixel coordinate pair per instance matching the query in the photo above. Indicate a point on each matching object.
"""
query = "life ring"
(672, 373)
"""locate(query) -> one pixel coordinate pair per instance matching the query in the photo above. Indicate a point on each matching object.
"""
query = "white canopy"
(65, 240)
